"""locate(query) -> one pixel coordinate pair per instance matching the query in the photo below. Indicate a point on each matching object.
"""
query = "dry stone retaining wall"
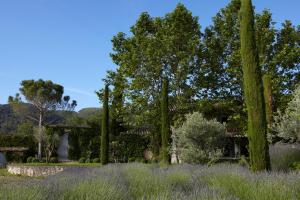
(34, 171)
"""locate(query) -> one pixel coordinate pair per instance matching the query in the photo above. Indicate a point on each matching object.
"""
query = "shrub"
(287, 125)
(96, 160)
(244, 162)
(29, 159)
(199, 140)
(34, 160)
(15, 140)
(88, 160)
(128, 145)
(82, 160)
(295, 166)
(53, 160)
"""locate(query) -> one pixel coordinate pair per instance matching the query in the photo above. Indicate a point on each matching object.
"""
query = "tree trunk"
(40, 138)
(253, 89)
(165, 128)
(105, 129)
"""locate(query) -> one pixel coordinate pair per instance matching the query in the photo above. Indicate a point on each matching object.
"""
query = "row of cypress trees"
(257, 92)
(165, 128)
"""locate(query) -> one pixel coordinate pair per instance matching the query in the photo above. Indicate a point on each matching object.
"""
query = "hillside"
(9, 120)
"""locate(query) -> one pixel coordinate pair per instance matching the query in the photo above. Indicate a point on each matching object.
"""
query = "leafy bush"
(96, 160)
(128, 146)
(88, 160)
(15, 140)
(82, 160)
(199, 140)
(295, 166)
(244, 162)
(287, 125)
(53, 160)
(29, 159)
(35, 160)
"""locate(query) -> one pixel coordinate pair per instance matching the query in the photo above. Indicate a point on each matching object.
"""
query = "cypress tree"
(268, 98)
(253, 89)
(105, 129)
(165, 127)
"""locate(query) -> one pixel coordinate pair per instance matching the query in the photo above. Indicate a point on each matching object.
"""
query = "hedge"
(15, 140)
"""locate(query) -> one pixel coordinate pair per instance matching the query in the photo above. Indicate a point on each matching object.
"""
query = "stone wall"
(34, 171)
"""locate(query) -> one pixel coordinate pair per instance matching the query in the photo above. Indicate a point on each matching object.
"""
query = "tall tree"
(168, 45)
(253, 89)
(268, 98)
(165, 126)
(44, 97)
(105, 128)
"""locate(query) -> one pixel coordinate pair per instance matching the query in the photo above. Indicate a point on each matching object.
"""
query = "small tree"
(43, 97)
(199, 140)
(287, 125)
(105, 129)
(165, 127)
(50, 140)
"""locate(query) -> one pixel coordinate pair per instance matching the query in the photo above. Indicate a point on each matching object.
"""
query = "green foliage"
(244, 162)
(96, 160)
(199, 140)
(158, 46)
(74, 150)
(82, 160)
(87, 112)
(105, 129)
(8, 119)
(88, 160)
(128, 146)
(53, 160)
(253, 90)
(295, 166)
(15, 140)
(85, 142)
(29, 159)
(25, 128)
(287, 125)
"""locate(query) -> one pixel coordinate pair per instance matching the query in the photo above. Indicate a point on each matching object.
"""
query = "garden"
(188, 113)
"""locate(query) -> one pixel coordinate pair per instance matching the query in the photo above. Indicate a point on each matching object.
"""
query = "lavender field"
(140, 181)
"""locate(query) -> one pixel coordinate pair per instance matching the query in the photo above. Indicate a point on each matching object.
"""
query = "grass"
(3, 172)
(138, 181)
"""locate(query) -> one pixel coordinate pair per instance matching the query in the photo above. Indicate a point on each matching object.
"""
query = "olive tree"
(287, 125)
(199, 140)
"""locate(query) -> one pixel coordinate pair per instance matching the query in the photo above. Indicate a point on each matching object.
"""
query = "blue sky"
(68, 41)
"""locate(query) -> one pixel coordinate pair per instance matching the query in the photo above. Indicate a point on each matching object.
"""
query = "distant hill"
(9, 120)
(86, 112)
